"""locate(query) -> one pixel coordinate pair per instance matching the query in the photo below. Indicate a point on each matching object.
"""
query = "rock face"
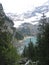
(27, 29)
(8, 23)
(1, 11)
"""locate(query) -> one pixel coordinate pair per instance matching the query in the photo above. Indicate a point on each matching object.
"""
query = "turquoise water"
(33, 39)
(25, 42)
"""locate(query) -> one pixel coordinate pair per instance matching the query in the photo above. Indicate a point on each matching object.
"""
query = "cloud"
(47, 14)
(15, 16)
(31, 16)
(20, 6)
(31, 20)
(35, 11)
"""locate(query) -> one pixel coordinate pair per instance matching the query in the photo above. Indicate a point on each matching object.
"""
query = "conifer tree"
(42, 41)
(29, 51)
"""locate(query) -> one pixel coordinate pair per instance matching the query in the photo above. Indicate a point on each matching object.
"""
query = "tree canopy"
(43, 41)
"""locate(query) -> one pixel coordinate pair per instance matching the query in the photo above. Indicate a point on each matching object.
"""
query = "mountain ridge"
(27, 29)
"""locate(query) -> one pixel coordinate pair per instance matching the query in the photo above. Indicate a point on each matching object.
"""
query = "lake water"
(27, 40)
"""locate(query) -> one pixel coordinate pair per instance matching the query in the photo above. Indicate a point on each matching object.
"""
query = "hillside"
(8, 24)
(27, 29)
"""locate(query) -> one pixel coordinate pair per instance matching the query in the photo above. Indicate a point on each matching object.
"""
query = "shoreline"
(25, 38)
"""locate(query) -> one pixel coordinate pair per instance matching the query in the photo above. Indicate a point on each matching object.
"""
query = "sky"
(21, 8)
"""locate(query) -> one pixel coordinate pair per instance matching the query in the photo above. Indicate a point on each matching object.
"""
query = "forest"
(38, 52)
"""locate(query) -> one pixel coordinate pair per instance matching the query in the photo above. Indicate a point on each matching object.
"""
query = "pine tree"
(29, 51)
(24, 54)
(42, 40)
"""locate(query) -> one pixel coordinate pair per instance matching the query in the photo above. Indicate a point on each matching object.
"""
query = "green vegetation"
(40, 51)
(43, 41)
(29, 51)
(1, 23)
(8, 53)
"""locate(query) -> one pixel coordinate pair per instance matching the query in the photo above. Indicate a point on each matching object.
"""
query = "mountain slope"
(27, 29)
